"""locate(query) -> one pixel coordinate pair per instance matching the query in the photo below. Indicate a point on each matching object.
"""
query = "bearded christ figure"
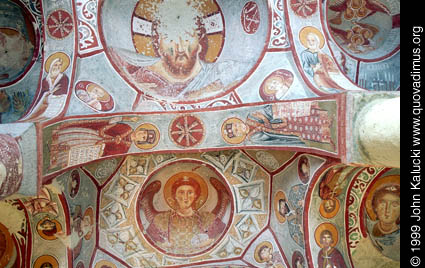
(179, 68)
(184, 229)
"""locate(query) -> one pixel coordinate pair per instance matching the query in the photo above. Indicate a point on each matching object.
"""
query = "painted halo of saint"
(148, 136)
(281, 207)
(234, 130)
(104, 263)
(187, 227)
(329, 207)
(6, 246)
(326, 236)
(47, 228)
(276, 85)
(264, 253)
(383, 215)
(46, 261)
(303, 169)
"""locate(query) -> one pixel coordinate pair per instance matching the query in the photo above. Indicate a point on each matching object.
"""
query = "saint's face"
(180, 55)
(329, 205)
(326, 240)
(266, 254)
(96, 93)
(239, 129)
(55, 68)
(312, 41)
(305, 169)
(274, 84)
(185, 196)
(388, 208)
(140, 136)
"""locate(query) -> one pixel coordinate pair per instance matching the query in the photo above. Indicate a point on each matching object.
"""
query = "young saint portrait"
(187, 221)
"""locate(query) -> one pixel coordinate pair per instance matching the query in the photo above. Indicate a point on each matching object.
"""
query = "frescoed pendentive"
(181, 50)
(17, 41)
(184, 208)
(365, 29)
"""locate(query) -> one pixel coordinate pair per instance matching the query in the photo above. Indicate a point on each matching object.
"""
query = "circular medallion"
(185, 208)
(59, 24)
(303, 169)
(329, 229)
(46, 261)
(6, 246)
(281, 207)
(105, 264)
(47, 228)
(276, 85)
(175, 51)
(234, 130)
(187, 131)
(147, 136)
(94, 96)
(329, 207)
(250, 17)
(74, 183)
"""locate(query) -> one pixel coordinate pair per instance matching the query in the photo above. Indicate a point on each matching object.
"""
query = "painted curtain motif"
(184, 211)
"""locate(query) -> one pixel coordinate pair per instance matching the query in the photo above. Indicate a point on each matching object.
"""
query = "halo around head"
(279, 196)
(105, 97)
(65, 61)
(379, 184)
(258, 249)
(306, 31)
(227, 132)
(168, 195)
(331, 228)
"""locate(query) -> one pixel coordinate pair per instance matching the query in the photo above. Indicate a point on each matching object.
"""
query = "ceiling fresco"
(210, 210)
(207, 133)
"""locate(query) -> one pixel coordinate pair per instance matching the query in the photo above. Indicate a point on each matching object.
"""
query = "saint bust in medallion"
(187, 227)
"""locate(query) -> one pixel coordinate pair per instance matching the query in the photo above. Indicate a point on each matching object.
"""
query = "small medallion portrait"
(46, 261)
(47, 228)
(281, 207)
(265, 254)
(330, 187)
(192, 208)
(326, 236)
(329, 207)
(304, 169)
(383, 215)
(234, 130)
(94, 96)
(105, 264)
(6, 246)
(298, 260)
(276, 85)
(74, 183)
(147, 136)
